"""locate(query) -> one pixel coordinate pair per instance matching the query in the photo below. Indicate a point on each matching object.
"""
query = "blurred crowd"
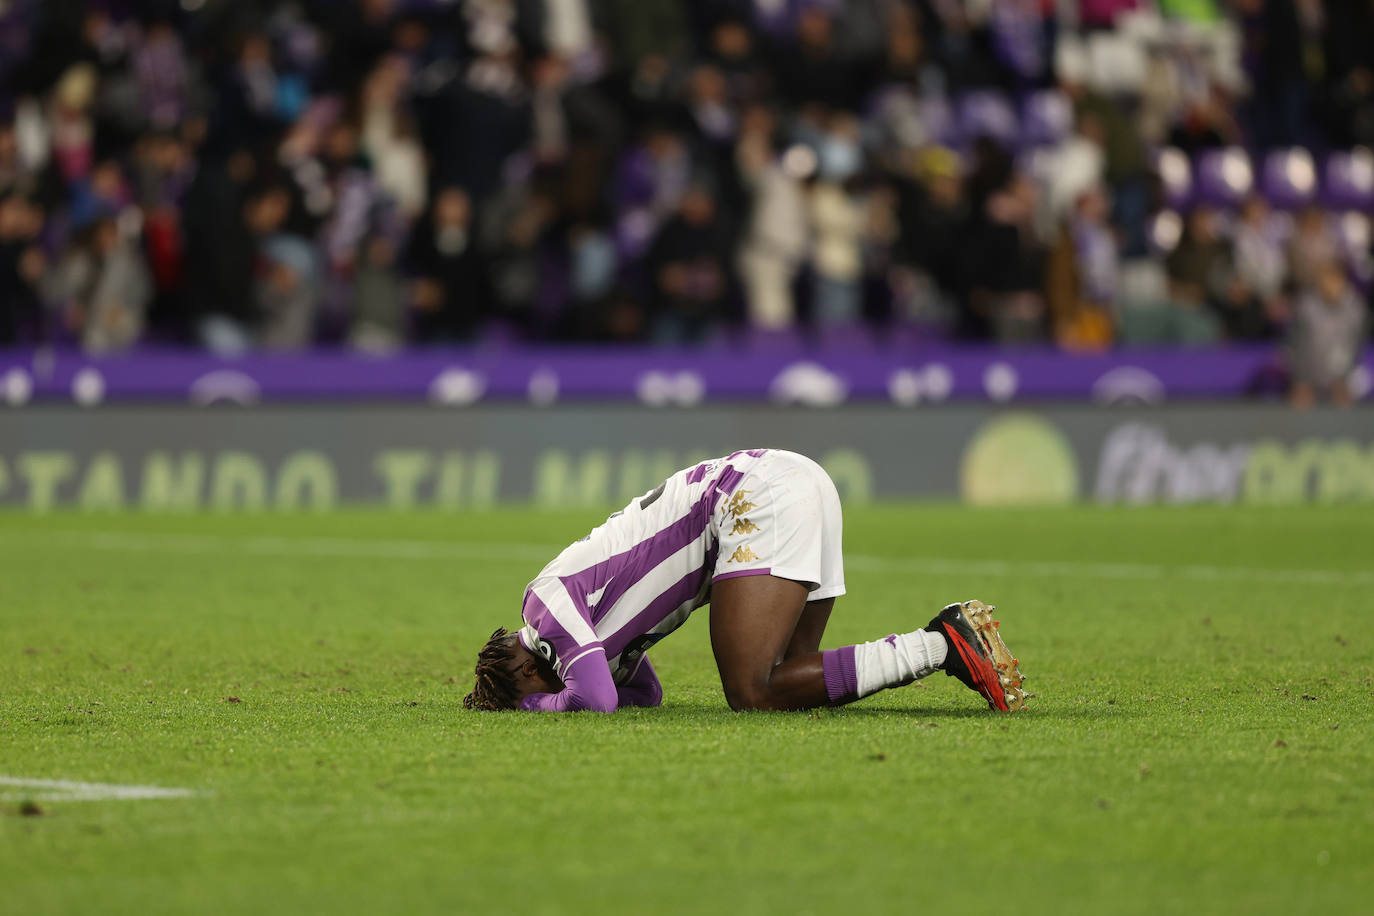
(237, 174)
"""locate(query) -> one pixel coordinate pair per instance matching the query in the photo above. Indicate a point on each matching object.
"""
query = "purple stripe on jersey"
(625, 569)
(725, 484)
(580, 585)
(698, 473)
(678, 594)
(743, 572)
(538, 615)
(752, 453)
(841, 675)
(618, 573)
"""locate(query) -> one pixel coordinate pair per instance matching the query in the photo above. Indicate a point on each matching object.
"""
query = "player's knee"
(748, 697)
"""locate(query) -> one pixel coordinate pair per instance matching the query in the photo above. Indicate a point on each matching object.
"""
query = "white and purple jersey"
(596, 609)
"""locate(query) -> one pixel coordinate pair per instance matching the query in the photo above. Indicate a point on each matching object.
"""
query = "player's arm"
(642, 688)
(587, 684)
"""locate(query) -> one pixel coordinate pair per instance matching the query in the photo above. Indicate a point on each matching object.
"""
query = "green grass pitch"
(1202, 739)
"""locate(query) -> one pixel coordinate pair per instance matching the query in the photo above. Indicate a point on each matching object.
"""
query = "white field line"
(1077, 569)
(283, 546)
(526, 553)
(53, 790)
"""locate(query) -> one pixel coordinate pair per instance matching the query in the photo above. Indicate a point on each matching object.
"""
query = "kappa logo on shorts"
(739, 504)
(744, 526)
(742, 554)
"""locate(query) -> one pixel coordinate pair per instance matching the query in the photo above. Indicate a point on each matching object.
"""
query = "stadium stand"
(249, 175)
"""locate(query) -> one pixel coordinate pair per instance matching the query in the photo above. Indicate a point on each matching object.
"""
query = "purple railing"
(786, 371)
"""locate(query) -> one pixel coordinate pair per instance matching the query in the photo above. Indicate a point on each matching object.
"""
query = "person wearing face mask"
(837, 221)
(449, 292)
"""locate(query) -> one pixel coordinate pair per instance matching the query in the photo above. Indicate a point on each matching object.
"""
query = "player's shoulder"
(712, 467)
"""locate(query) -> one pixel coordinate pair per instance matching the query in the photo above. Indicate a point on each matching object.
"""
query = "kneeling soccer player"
(757, 536)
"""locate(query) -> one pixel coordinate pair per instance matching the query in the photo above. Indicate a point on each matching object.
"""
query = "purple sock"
(841, 678)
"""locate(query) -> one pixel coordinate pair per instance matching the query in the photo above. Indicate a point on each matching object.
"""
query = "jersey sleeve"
(558, 632)
(641, 688)
(587, 685)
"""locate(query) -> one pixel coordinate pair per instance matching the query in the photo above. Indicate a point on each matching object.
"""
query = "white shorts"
(783, 519)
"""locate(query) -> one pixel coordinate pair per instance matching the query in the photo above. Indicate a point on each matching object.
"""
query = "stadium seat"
(937, 118)
(1289, 179)
(1224, 176)
(1046, 118)
(988, 113)
(1175, 176)
(1349, 181)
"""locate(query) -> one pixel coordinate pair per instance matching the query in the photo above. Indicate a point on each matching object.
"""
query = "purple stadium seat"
(1224, 176)
(1175, 176)
(988, 113)
(907, 119)
(1349, 181)
(1289, 179)
(1046, 118)
(937, 118)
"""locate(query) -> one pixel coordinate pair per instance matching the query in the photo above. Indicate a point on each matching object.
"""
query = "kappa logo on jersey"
(739, 505)
(743, 554)
(744, 526)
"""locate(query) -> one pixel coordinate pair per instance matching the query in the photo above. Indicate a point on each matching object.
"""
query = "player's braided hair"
(495, 688)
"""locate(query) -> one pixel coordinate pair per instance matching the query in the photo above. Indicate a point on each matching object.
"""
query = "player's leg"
(753, 622)
(781, 542)
(810, 628)
(781, 569)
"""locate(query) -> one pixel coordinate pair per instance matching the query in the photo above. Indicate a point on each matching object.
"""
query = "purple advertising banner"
(779, 373)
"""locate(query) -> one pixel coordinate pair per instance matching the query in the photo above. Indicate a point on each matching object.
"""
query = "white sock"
(899, 659)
